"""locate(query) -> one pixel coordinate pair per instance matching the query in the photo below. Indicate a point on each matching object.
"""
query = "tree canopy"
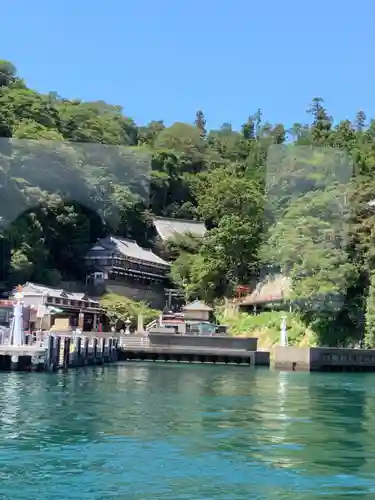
(295, 197)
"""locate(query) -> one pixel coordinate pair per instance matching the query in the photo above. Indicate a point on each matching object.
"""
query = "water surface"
(160, 431)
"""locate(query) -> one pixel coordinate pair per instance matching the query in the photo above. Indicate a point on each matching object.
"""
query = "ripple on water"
(188, 432)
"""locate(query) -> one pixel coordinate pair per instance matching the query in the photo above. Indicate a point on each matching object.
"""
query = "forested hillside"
(72, 171)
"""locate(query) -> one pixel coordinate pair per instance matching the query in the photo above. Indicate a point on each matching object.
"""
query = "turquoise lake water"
(161, 431)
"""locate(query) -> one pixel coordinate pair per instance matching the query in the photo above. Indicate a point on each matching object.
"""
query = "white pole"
(283, 333)
(17, 335)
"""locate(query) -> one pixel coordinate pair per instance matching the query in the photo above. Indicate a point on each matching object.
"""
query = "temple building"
(120, 265)
(44, 305)
(270, 293)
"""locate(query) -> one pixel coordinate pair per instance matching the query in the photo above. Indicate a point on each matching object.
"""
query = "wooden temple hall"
(115, 258)
(124, 267)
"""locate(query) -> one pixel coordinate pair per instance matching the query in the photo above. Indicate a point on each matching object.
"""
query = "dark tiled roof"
(131, 249)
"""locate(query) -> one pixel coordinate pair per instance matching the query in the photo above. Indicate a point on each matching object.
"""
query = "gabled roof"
(130, 249)
(197, 305)
(167, 228)
(272, 289)
(36, 289)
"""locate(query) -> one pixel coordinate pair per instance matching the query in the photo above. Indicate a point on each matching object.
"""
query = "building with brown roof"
(272, 291)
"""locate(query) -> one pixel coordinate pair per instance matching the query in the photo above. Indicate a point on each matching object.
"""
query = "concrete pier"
(197, 355)
(324, 359)
(22, 358)
(195, 349)
(62, 352)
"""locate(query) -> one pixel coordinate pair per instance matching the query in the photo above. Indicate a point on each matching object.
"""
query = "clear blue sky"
(164, 59)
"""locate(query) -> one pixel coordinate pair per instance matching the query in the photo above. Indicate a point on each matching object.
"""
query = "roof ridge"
(122, 239)
(38, 285)
(190, 221)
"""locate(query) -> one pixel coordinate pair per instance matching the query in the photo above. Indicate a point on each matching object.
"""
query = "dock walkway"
(193, 349)
(63, 351)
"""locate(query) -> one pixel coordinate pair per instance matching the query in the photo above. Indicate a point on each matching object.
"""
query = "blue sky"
(164, 59)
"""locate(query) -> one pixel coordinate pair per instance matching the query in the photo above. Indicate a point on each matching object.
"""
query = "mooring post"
(78, 350)
(110, 344)
(66, 352)
(95, 348)
(49, 354)
(58, 359)
(85, 350)
(102, 349)
(115, 349)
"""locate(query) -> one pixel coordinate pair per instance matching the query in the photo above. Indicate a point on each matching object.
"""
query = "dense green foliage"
(72, 171)
(119, 309)
(266, 326)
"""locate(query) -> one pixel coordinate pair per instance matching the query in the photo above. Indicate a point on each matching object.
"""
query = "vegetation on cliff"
(73, 171)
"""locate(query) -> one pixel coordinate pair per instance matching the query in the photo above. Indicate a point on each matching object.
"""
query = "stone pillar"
(81, 320)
